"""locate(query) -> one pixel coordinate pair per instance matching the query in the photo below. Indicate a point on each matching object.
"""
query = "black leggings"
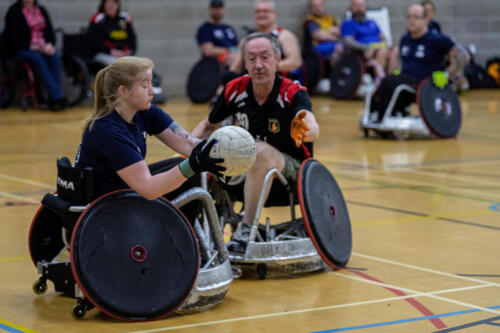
(384, 92)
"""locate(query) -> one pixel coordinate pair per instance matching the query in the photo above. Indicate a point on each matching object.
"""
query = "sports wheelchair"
(131, 258)
(440, 114)
(320, 238)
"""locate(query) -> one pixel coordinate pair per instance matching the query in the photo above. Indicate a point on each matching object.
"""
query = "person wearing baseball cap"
(215, 38)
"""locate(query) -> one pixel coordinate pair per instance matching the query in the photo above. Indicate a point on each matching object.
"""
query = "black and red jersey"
(269, 122)
(106, 33)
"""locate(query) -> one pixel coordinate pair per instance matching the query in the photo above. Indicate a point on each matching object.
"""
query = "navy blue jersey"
(434, 27)
(269, 122)
(424, 55)
(113, 144)
(221, 35)
(366, 32)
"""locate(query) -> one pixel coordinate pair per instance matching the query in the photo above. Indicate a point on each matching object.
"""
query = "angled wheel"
(440, 109)
(345, 77)
(133, 258)
(325, 213)
(203, 80)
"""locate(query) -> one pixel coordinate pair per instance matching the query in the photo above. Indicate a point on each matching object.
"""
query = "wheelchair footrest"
(60, 274)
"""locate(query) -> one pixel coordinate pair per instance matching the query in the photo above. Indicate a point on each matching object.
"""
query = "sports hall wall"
(166, 28)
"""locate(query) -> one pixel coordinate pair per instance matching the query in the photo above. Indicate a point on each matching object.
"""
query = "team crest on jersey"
(273, 125)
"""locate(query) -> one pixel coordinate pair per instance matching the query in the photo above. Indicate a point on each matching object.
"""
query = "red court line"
(438, 323)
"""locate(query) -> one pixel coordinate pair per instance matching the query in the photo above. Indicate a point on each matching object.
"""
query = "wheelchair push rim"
(132, 258)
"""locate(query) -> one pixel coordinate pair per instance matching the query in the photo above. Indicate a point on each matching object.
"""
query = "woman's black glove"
(200, 161)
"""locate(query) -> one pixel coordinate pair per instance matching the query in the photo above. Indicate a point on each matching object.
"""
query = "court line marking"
(376, 174)
(18, 197)
(430, 295)
(495, 207)
(321, 308)
(424, 188)
(424, 269)
(25, 181)
(426, 217)
(13, 327)
(402, 321)
(10, 259)
(361, 164)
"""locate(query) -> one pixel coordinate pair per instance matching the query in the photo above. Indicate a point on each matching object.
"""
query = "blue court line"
(9, 329)
(495, 207)
(402, 321)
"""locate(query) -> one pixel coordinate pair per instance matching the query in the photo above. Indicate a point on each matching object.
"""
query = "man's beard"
(217, 18)
(359, 17)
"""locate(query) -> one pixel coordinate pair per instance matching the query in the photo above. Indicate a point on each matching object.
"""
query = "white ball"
(236, 146)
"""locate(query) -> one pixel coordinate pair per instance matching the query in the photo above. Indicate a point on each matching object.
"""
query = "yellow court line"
(10, 259)
(18, 197)
(423, 218)
(16, 326)
(25, 181)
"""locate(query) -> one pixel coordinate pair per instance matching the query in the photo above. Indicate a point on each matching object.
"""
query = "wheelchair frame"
(282, 251)
(403, 127)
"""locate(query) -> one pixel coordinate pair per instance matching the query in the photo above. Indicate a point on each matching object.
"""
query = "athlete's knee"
(267, 156)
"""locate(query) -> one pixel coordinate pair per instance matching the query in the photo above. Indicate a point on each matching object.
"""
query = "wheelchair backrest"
(381, 17)
(76, 44)
(75, 185)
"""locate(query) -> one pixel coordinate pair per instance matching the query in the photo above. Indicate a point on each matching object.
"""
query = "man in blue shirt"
(363, 35)
(422, 54)
(216, 39)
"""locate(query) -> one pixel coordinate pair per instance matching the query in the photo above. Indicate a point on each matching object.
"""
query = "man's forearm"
(458, 60)
(351, 43)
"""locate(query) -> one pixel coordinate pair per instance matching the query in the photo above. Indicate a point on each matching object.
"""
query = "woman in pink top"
(29, 36)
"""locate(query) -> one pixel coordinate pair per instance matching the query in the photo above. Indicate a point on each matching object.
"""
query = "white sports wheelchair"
(320, 238)
(440, 114)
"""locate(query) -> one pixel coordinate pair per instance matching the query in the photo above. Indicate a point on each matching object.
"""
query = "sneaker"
(242, 233)
(239, 241)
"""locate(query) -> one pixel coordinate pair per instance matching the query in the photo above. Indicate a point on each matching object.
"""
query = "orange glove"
(299, 128)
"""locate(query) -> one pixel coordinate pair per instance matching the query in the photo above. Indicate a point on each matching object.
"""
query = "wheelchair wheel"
(440, 109)
(6, 87)
(345, 77)
(203, 80)
(325, 213)
(45, 236)
(76, 79)
(133, 258)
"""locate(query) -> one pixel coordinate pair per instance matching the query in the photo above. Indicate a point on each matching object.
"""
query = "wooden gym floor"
(425, 217)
